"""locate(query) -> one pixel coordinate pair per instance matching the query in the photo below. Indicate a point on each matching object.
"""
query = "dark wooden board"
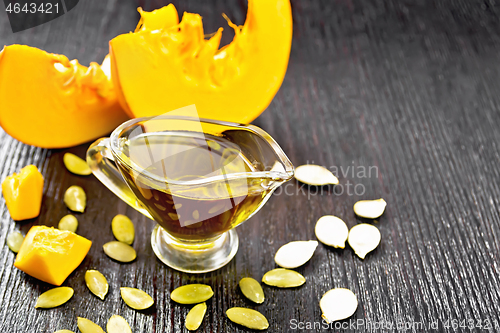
(407, 87)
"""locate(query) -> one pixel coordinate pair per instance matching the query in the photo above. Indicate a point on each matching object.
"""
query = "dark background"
(410, 87)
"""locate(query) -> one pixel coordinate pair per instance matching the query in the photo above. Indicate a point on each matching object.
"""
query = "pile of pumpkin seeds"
(98, 285)
(336, 304)
(123, 230)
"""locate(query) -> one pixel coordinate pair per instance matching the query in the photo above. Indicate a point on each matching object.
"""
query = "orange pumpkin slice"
(51, 102)
(158, 71)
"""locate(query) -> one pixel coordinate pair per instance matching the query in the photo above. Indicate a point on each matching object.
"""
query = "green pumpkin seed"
(195, 316)
(87, 326)
(118, 324)
(64, 331)
(97, 283)
(119, 251)
(136, 298)
(76, 165)
(123, 229)
(68, 222)
(54, 297)
(252, 290)
(14, 241)
(283, 278)
(75, 199)
(248, 318)
(192, 294)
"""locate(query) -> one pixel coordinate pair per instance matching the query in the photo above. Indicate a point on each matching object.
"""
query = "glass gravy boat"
(198, 179)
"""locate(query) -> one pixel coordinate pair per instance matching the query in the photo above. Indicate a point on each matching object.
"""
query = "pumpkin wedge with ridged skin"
(157, 71)
(51, 102)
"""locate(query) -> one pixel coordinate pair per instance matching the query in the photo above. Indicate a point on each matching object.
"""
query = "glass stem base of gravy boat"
(198, 258)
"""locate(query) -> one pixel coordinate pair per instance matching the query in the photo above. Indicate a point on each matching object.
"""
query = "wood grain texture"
(409, 88)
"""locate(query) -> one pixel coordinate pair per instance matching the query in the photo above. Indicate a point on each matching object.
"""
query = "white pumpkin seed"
(252, 290)
(118, 324)
(136, 298)
(315, 175)
(338, 304)
(87, 326)
(283, 278)
(14, 241)
(54, 297)
(248, 318)
(331, 231)
(119, 251)
(370, 209)
(123, 229)
(97, 283)
(75, 199)
(364, 238)
(195, 316)
(192, 294)
(68, 222)
(64, 331)
(76, 165)
(295, 254)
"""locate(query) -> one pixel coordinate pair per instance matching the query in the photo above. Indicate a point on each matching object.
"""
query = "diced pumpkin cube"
(23, 193)
(50, 254)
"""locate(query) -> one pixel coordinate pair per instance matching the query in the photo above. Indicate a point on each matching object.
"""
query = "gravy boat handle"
(101, 162)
